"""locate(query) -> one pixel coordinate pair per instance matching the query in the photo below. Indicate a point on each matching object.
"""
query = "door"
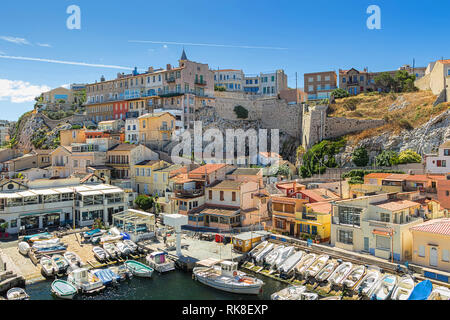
(291, 229)
(110, 214)
(433, 257)
(366, 244)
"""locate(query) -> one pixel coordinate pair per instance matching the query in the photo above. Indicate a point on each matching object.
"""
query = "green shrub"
(360, 157)
(403, 123)
(340, 93)
(409, 156)
(241, 112)
(386, 158)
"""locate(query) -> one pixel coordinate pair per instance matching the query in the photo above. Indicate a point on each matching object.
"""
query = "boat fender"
(235, 273)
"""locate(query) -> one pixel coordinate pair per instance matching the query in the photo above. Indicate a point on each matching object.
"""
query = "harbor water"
(173, 285)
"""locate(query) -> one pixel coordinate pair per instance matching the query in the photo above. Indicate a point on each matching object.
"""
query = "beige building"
(436, 79)
(58, 94)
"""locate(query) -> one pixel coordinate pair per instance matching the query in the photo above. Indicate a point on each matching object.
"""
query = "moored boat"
(368, 282)
(88, 235)
(304, 264)
(100, 254)
(122, 271)
(107, 276)
(326, 271)
(283, 256)
(259, 257)
(73, 259)
(440, 293)
(403, 289)
(139, 269)
(63, 289)
(421, 291)
(354, 276)
(17, 294)
(289, 293)
(228, 278)
(45, 244)
(133, 246)
(159, 262)
(309, 296)
(123, 249)
(24, 248)
(383, 289)
(258, 248)
(289, 264)
(111, 249)
(85, 281)
(340, 273)
(60, 264)
(39, 237)
(273, 255)
(317, 265)
(47, 266)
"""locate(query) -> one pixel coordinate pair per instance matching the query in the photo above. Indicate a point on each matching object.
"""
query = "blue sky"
(315, 35)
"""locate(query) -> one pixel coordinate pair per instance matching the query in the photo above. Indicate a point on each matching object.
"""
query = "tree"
(144, 202)
(340, 93)
(284, 170)
(386, 158)
(360, 157)
(409, 156)
(385, 81)
(405, 81)
(241, 112)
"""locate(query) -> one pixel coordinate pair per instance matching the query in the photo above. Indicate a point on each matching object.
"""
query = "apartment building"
(31, 208)
(156, 128)
(149, 180)
(440, 162)
(58, 94)
(284, 218)
(111, 125)
(319, 85)
(230, 79)
(378, 224)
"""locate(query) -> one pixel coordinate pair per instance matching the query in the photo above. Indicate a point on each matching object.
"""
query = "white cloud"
(18, 91)
(15, 40)
(206, 45)
(67, 86)
(46, 45)
(165, 46)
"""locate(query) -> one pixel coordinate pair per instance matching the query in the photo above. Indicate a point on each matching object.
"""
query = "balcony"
(190, 193)
(200, 82)
(170, 79)
(165, 128)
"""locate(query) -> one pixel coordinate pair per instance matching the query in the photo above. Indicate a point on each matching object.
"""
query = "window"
(343, 80)
(349, 215)
(327, 78)
(385, 217)
(319, 78)
(383, 243)
(233, 196)
(421, 251)
(137, 172)
(310, 88)
(445, 255)
(345, 236)
(310, 79)
(221, 195)
(210, 196)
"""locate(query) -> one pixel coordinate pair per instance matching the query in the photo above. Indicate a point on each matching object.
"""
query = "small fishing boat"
(273, 255)
(227, 278)
(47, 266)
(317, 265)
(41, 237)
(123, 248)
(73, 259)
(289, 293)
(139, 269)
(113, 235)
(37, 235)
(283, 256)
(24, 248)
(289, 264)
(258, 248)
(100, 254)
(45, 244)
(159, 262)
(354, 276)
(85, 281)
(111, 249)
(403, 289)
(88, 235)
(368, 282)
(326, 271)
(309, 296)
(17, 294)
(259, 257)
(440, 293)
(340, 273)
(60, 264)
(332, 298)
(421, 291)
(52, 250)
(383, 289)
(133, 246)
(122, 271)
(107, 276)
(63, 289)
(305, 263)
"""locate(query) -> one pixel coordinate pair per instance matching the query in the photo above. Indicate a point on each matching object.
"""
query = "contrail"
(66, 62)
(206, 44)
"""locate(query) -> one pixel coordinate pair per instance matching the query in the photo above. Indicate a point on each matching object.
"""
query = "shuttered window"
(445, 256)
(421, 251)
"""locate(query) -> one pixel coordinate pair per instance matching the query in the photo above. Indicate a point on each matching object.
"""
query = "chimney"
(169, 66)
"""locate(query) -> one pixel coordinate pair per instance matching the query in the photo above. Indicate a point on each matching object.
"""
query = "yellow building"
(147, 178)
(315, 221)
(431, 244)
(284, 211)
(244, 242)
(156, 127)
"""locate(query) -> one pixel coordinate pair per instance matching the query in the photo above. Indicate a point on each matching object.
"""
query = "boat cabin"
(158, 257)
(228, 268)
(80, 275)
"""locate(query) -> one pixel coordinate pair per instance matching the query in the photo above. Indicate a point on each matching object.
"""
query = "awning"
(45, 192)
(381, 232)
(111, 191)
(27, 194)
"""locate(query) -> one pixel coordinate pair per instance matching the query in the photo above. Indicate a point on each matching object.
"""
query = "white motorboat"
(17, 294)
(289, 264)
(403, 289)
(100, 254)
(63, 289)
(317, 265)
(139, 269)
(383, 289)
(258, 248)
(159, 262)
(73, 259)
(283, 256)
(122, 271)
(47, 266)
(41, 237)
(123, 248)
(227, 278)
(309, 296)
(259, 257)
(24, 248)
(60, 264)
(440, 293)
(354, 276)
(133, 246)
(111, 249)
(289, 293)
(326, 271)
(368, 282)
(340, 273)
(113, 235)
(85, 281)
(304, 264)
(273, 255)
(45, 244)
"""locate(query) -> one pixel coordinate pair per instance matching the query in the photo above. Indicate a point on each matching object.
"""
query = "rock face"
(424, 139)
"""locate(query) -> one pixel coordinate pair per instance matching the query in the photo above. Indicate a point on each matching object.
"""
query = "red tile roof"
(437, 226)
(210, 167)
(377, 175)
(320, 207)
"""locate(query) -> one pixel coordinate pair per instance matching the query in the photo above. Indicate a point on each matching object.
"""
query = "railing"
(189, 193)
(200, 82)
(170, 79)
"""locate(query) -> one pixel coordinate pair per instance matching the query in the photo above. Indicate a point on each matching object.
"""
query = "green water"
(173, 285)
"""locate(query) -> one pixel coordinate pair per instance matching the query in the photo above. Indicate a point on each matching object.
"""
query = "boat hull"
(250, 289)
